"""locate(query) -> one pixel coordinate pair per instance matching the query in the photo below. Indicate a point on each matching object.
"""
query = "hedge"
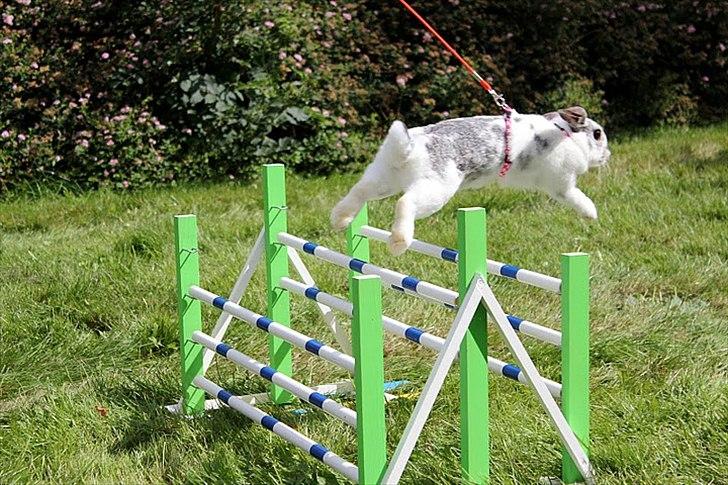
(133, 93)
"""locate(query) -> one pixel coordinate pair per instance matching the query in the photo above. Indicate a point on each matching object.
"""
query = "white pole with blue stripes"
(528, 277)
(422, 288)
(291, 336)
(414, 334)
(299, 390)
(318, 451)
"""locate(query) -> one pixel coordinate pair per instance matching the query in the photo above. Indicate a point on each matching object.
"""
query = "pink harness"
(507, 133)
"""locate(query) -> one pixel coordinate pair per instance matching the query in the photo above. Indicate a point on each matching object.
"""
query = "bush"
(136, 93)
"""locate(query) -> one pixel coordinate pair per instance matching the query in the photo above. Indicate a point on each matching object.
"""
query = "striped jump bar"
(299, 390)
(349, 470)
(257, 320)
(494, 267)
(421, 288)
(419, 336)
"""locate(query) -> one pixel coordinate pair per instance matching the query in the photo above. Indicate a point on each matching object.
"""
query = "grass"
(89, 338)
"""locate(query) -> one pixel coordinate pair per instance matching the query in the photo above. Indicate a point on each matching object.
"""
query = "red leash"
(497, 98)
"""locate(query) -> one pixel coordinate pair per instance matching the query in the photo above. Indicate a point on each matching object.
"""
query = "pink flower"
(7, 40)
(308, 70)
(282, 55)
(72, 105)
(5, 134)
(641, 8)
(8, 19)
(401, 80)
(23, 2)
(721, 47)
(104, 55)
(113, 162)
(269, 24)
(691, 29)
(125, 183)
(328, 15)
(22, 137)
(298, 57)
(705, 79)
(341, 121)
(187, 131)
(427, 37)
(346, 15)
(106, 173)
(83, 143)
(109, 143)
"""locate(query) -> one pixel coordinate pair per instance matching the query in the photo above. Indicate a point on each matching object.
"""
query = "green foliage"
(314, 84)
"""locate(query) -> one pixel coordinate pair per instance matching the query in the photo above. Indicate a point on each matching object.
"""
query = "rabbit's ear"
(575, 117)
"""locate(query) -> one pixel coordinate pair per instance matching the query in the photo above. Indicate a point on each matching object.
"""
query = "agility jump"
(466, 340)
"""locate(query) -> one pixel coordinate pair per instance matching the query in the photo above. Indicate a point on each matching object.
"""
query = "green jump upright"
(356, 244)
(575, 354)
(187, 262)
(275, 219)
(367, 342)
(474, 438)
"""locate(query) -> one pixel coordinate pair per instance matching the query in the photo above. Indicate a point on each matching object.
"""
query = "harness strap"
(507, 162)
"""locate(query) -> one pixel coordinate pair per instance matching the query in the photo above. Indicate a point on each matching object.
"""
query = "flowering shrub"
(126, 94)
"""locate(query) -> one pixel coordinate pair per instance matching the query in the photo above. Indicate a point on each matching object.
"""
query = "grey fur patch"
(541, 142)
(473, 144)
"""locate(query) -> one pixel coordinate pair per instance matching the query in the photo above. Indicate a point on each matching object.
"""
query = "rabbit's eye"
(597, 134)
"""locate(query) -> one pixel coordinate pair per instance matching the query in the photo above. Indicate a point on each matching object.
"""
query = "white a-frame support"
(478, 292)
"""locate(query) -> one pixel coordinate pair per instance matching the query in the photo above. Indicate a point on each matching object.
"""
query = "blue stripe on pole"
(317, 399)
(318, 451)
(268, 422)
(311, 292)
(413, 334)
(395, 287)
(449, 255)
(219, 302)
(511, 371)
(263, 323)
(224, 396)
(410, 282)
(509, 270)
(314, 346)
(356, 264)
(515, 321)
(267, 372)
(222, 349)
(309, 247)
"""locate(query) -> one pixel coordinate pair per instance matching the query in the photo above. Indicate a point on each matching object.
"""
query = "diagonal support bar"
(434, 383)
(566, 434)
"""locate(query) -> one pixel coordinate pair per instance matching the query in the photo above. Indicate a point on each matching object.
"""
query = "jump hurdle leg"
(357, 245)
(575, 354)
(474, 437)
(189, 311)
(276, 258)
(367, 340)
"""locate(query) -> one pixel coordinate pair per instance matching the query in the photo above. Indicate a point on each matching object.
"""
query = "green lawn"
(89, 337)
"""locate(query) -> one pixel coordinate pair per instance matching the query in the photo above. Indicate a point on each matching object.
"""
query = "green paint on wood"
(189, 312)
(575, 353)
(474, 439)
(357, 245)
(276, 259)
(367, 343)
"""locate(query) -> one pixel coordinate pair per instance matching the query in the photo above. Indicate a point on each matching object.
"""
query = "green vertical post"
(474, 439)
(189, 313)
(575, 354)
(356, 244)
(367, 343)
(276, 264)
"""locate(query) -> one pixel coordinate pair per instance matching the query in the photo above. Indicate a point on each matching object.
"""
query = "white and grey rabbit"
(430, 163)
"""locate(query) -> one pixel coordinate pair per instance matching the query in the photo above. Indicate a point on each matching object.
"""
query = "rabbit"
(431, 163)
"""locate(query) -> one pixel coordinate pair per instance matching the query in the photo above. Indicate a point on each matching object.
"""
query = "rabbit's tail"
(396, 147)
